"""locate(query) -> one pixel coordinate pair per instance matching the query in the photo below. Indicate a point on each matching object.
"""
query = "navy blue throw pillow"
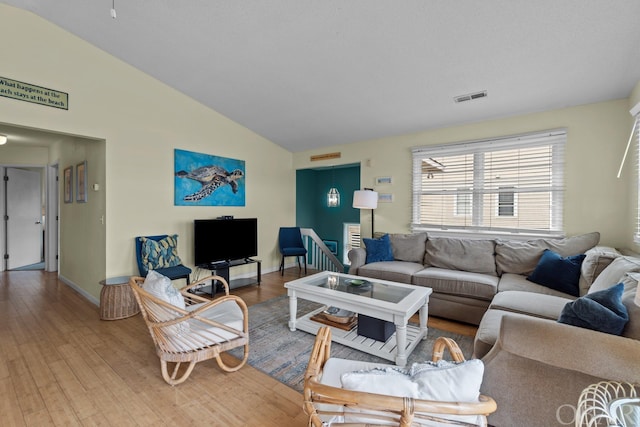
(556, 272)
(599, 311)
(378, 249)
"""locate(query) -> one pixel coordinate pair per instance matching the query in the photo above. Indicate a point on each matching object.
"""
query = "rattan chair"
(321, 401)
(204, 330)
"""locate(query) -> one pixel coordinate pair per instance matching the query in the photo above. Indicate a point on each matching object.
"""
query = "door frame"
(52, 226)
(51, 210)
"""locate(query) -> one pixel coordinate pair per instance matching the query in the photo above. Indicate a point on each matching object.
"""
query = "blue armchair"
(169, 264)
(290, 243)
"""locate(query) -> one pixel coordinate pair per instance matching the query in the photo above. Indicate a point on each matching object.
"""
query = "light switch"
(96, 187)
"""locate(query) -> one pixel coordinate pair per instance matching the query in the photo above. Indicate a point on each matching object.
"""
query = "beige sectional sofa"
(466, 274)
(535, 367)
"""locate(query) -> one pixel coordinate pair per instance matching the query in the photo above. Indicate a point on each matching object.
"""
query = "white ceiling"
(312, 73)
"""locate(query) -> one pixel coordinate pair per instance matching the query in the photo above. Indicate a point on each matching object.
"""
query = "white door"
(24, 210)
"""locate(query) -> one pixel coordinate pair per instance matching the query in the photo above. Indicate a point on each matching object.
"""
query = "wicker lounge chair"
(202, 331)
(322, 401)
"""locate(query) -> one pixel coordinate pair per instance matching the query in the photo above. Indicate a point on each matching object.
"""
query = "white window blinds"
(458, 186)
(636, 130)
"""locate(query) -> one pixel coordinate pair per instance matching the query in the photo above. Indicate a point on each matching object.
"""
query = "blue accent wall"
(312, 186)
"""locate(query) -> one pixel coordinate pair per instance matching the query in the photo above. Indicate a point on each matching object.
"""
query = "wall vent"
(470, 96)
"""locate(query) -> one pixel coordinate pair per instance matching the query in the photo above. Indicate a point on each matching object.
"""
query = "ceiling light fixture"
(113, 9)
(333, 196)
(3, 139)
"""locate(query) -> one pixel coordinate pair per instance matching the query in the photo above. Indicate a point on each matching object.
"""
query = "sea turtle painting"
(211, 178)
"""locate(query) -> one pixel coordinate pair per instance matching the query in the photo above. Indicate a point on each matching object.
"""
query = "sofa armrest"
(568, 347)
(358, 258)
(538, 368)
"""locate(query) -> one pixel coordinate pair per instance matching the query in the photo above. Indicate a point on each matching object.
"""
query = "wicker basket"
(117, 300)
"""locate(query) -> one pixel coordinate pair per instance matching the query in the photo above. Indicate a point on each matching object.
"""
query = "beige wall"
(594, 198)
(141, 121)
(11, 154)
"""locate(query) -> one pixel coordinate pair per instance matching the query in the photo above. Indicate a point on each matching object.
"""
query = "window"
(508, 184)
(636, 129)
(351, 239)
(463, 202)
(506, 201)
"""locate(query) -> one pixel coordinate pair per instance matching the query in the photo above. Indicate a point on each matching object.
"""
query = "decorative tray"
(356, 282)
(338, 315)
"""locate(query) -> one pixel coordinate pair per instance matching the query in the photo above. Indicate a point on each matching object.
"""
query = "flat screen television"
(218, 240)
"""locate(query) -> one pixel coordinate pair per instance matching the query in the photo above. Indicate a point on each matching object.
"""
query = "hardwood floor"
(61, 365)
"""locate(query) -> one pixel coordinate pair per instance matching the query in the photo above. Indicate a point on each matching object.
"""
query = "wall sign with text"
(35, 94)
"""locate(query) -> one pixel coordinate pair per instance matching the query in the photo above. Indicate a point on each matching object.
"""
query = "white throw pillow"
(388, 381)
(161, 287)
(441, 381)
(447, 381)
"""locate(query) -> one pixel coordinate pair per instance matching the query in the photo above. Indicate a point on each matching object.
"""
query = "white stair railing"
(319, 256)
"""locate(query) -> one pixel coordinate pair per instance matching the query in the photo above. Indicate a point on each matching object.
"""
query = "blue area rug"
(283, 355)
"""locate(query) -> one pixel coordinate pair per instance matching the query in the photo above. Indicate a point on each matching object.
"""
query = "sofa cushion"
(521, 257)
(517, 282)
(596, 260)
(557, 272)
(534, 304)
(395, 271)
(461, 283)
(488, 330)
(615, 273)
(601, 311)
(632, 329)
(408, 247)
(473, 255)
(378, 249)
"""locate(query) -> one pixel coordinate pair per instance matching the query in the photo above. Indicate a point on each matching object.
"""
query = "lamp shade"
(365, 199)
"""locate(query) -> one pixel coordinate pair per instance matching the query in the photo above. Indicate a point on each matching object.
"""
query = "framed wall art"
(81, 182)
(206, 180)
(384, 180)
(67, 180)
(385, 197)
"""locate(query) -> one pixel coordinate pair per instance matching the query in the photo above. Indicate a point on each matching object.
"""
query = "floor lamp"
(366, 199)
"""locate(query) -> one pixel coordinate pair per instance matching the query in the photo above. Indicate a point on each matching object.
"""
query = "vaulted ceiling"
(312, 73)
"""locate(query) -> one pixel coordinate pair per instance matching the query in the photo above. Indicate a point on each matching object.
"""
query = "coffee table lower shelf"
(385, 350)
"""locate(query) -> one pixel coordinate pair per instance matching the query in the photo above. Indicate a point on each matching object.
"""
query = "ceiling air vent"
(470, 96)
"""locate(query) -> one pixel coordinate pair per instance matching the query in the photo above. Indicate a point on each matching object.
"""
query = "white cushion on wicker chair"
(441, 381)
(444, 381)
(194, 331)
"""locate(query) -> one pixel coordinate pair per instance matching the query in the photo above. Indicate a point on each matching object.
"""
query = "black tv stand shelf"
(222, 269)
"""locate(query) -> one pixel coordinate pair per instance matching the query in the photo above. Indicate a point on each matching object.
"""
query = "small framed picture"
(81, 182)
(332, 245)
(385, 197)
(384, 180)
(68, 184)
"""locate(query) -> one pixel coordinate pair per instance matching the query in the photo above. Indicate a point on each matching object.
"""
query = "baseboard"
(78, 289)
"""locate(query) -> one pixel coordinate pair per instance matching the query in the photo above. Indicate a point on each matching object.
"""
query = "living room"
(127, 124)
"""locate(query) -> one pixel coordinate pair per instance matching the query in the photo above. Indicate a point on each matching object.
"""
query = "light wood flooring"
(61, 365)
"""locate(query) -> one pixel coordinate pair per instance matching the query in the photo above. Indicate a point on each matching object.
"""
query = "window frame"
(514, 204)
(555, 139)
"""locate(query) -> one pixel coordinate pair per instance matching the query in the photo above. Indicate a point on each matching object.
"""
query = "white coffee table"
(381, 299)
